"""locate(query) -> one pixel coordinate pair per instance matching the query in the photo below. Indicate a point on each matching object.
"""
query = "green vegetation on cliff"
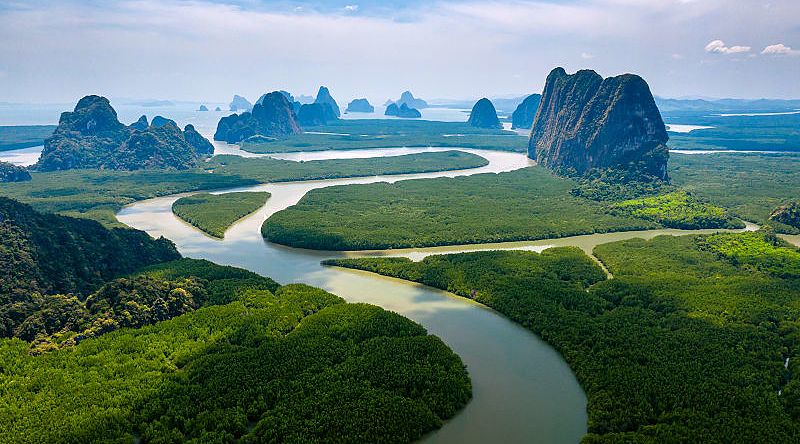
(271, 364)
(99, 194)
(214, 213)
(389, 133)
(750, 186)
(677, 209)
(684, 344)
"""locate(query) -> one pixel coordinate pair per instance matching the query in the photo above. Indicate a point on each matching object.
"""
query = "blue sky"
(57, 51)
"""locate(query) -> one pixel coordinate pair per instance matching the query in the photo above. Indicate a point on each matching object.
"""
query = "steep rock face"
(788, 214)
(92, 137)
(324, 96)
(484, 115)
(159, 121)
(412, 102)
(523, 116)
(239, 103)
(314, 114)
(402, 111)
(13, 173)
(200, 144)
(360, 106)
(586, 122)
(273, 117)
(140, 124)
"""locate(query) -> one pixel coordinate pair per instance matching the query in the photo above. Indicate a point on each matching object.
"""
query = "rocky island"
(203, 108)
(239, 103)
(402, 111)
(523, 116)
(408, 99)
(324, 97)
(313, 114)
(484, 115)
(13, 173)
(91, 136)
(586, 122)
(272, 117)
(360, 106)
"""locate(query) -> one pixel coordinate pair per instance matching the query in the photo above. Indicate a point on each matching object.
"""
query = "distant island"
(523, 116)
(586, 122)
(273, 116)
(92, 137)
(217, 109)
(484, 115)
(239, 103)
(314, 114)
(407, 98)
(203, 108)
(402, 111)
(360, 106)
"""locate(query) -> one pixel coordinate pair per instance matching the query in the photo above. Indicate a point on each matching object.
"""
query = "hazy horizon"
(205, 51)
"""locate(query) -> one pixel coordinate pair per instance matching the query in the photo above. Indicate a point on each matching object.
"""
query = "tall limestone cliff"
(273, 116)
(585, 122)
(523, 116)
(92, 137)
(324, 97)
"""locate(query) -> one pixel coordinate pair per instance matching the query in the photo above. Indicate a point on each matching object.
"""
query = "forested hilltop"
(108, 336)
(694, 339)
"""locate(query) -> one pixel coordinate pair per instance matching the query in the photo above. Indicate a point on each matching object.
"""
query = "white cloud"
(587, 55)
(780, 49)
(718, 46)
(351, 8)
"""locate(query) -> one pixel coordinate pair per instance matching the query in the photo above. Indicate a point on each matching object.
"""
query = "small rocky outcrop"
(140, 124)
(217, 109)
(412, 102)
(314, 114)
(159, 121)
(13, 173)
(273, 117)
(239, 103)
(324, 96)
(585, 122)
(402, 111)
(203, 108)
(484, 115)
(360, 106)
(523, 116)
(788, 214)
(92, 137)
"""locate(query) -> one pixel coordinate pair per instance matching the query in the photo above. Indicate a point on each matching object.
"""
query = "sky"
(55, 51)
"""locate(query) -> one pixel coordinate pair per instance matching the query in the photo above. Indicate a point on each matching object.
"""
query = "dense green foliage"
(750, 186)
(92, 137)
(23, 136)
(13, 173)
(788, 214)
(682, 345)
(389, 133)
(100, 194)
(294, 364)
(677, 209)
(47, 254)
(761, 251)
(530, 203)
(767, 133)
(214, 213)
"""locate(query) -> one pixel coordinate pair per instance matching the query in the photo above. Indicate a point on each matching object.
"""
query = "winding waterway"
(523, 390)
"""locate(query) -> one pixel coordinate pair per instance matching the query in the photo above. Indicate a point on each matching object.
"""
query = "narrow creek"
(523, 390)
